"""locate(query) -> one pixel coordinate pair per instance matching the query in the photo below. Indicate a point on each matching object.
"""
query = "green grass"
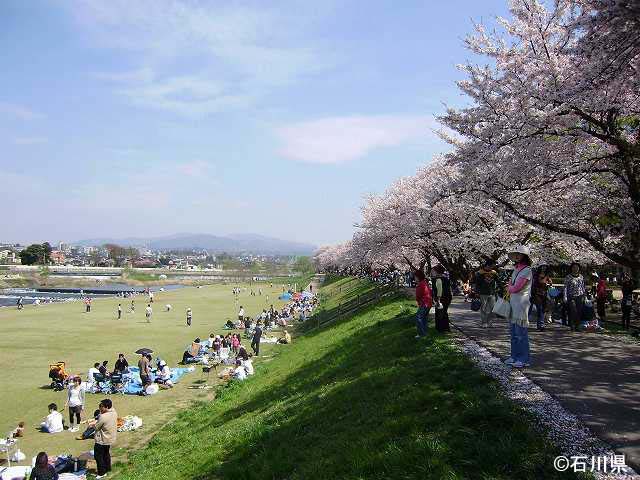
(359, 399)
(36, 336)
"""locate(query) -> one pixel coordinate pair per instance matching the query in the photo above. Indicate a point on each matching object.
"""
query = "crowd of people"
(524, 295)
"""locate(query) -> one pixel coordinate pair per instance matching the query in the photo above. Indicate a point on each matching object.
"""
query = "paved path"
(595, 377)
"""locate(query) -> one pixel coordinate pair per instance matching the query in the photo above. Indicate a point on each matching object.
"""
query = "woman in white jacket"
(520, 293)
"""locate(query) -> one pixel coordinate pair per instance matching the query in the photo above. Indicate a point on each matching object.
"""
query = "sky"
(146, 118)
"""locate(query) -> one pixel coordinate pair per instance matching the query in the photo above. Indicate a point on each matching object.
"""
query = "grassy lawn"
(358, 399)
(36, 336)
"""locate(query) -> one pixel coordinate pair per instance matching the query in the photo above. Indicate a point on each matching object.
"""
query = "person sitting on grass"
(163, 377)
(42, 470)
(248, 366)
(103, 369)
(53, 423)
(121, 366)
(239, 373)
(18, 431)
(242, 353)
(285, 338)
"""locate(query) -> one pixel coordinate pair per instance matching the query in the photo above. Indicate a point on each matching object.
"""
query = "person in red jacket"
(424, 301)
(601, 298)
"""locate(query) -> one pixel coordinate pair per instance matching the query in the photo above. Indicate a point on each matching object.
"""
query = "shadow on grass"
(375, 403)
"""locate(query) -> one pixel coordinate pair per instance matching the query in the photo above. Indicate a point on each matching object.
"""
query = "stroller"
(58, 376)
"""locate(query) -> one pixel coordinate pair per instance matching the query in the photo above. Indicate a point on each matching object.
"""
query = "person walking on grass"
(485, 286)
(119, 311)
(106, 433)
(148, 312)
(189, 316)
(574, 294)
(424, 301)
(520, 291)
(133, 306)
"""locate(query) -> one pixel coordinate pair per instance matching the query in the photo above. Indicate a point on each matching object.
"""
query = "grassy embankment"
(357, 399)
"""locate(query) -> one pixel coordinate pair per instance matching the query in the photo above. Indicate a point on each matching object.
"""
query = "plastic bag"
(476, 304)
(18, 456)
(502, 308)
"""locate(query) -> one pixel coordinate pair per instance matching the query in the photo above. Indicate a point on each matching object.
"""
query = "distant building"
(8, 256)
(64, 247)
(58, 257)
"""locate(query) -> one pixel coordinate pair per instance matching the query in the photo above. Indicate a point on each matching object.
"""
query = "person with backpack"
(485, 287)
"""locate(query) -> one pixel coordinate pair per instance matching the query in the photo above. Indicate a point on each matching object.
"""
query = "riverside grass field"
(37, 336)
(356, 399)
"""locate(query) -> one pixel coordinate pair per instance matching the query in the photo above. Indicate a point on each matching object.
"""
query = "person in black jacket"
(627, 300)
(441, 286)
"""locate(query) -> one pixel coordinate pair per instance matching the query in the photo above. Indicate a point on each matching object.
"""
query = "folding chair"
(102, 384)
(118, 383)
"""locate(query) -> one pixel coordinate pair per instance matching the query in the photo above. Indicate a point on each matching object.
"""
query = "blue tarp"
(135, 384)
(285, 296)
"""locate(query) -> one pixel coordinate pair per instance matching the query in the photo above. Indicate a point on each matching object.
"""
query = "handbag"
(502, 308)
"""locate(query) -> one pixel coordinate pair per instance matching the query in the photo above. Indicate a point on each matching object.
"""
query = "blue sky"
(151, 117)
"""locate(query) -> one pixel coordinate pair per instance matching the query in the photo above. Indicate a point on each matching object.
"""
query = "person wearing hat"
(485, 287)
(520, 292)
(574, 294)
(189, 317)
(164, 374)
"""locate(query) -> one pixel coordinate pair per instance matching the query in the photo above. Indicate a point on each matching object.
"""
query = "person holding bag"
(519, 289)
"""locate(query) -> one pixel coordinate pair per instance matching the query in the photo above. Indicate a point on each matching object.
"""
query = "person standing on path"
(148, 312)
(519, 300)
(574, 293)
(442, 297)
(189, 315)
(627, 300)
(119, 311)
(601, 299)
(424, 301)
(106, 433)
(539, 289)
(255, 341)
(485, 286)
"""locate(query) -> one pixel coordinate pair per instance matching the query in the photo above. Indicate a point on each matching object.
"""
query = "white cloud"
(30, 140)
(228, 56)
(18, 111)
(342, 139)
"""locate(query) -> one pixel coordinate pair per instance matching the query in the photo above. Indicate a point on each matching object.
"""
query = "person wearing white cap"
(520, 293)
(164, 374)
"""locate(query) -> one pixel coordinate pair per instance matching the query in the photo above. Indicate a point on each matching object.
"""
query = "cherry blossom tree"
(553, 132)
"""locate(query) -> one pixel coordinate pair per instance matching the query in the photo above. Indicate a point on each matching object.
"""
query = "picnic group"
(523, 294)
(148, 377)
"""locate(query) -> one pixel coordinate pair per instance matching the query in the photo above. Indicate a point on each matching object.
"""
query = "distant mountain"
(235, 243)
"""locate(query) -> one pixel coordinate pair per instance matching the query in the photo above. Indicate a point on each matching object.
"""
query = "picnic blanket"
(134, 386)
